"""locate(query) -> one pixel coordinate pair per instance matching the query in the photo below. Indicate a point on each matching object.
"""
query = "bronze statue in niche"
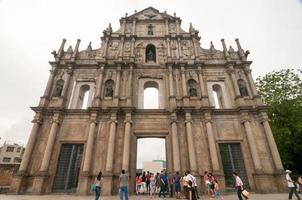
(57, 92)
(109, 88)
(150, 53)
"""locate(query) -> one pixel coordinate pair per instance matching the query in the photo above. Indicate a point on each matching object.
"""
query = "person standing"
(162, 185)
(291, 186)
(207, 183)
(192, 178)
(238, 185)
(124, 179)
(148, 179)
(144, 182)
(177, 186)
(98, 185)
(171, 184)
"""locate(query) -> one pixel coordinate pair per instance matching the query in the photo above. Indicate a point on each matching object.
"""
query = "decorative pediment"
(150, 13)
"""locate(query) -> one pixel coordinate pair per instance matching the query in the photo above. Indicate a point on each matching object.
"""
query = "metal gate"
(232, 161)
(68, 168)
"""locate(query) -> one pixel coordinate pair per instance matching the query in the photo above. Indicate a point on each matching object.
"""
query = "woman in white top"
(291, 186)
(98, 185)
(238, 185)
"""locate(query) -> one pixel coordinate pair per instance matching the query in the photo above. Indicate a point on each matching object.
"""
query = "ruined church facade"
(92, 111)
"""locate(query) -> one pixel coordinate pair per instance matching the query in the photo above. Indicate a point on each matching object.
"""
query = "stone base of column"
(38, 187)
(269, 183)
(83, 184)
(17, 183)
(107, 184)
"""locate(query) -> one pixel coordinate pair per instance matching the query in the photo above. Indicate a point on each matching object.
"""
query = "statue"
(150, 56)
(243, 90)
(192, 91)
(150, 29)
(58, 89)
(109, 90)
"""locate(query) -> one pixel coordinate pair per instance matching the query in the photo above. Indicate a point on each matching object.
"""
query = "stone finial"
(246, 53)
(165, 12)
(238, 44)
(69, 50)
(190, 28)
(126, 14)
(76, 49)
(223, 45)
(61, 49)
(212, 46)
(175, 14)
(231, 49)
(54, 53)
(89, 48)
(135, 11)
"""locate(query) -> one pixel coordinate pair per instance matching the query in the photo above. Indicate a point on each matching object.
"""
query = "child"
(216, 190)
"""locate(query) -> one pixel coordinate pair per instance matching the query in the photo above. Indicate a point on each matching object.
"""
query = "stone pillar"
(231, 73)
(179, 48)
(203, 88)
(97, 96)
(121, 48)
(76, 50)
(175, 143)
(66, 85)
(167, 26)
(190, 139)
(123, 27)
(251, 142)
(184, 82)
(129, 95)
(248, 71)
(50, 82)
(134, 27)
(171, 89)
(168, 47)
(132, 47)
(105, 47)
(271, 142)
(61, 50)
(117, 84)
(84, 179)
(177, 27)
(212, 143)
(127, 141)
(19, 178)
(30, 144)
(195, 48)
(42, 175)
(110, 151)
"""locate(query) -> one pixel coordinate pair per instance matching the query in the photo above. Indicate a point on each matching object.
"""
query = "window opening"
(217, 94)
(151, 95)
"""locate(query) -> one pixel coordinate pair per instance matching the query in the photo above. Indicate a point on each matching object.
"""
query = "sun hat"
(288, 171)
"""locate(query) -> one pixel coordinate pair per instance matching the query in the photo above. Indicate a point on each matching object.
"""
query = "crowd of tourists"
(185, 186)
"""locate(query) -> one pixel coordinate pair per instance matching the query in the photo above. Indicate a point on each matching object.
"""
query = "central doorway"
(151, 157)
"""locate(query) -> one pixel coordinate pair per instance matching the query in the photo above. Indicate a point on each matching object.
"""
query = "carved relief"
(162, 54)
(187, 49)
(139, 53)
(172, 28)
(173, 49)
(113, 50)
(128, 28)
(127, 49)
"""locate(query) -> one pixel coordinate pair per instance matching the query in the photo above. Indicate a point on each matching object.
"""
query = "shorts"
(208, 186)
(177, 187)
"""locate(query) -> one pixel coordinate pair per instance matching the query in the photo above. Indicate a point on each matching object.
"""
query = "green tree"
(282, 91)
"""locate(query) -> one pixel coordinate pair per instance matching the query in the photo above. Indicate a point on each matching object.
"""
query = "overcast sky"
(30, 29)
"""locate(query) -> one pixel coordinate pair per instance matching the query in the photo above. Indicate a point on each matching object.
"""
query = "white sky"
(30, 29)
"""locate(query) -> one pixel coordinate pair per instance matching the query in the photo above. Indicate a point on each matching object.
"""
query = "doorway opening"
(68, 168)
(151, 157)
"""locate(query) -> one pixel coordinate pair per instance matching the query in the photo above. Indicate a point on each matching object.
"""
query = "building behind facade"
(91, 113)
(154, 166)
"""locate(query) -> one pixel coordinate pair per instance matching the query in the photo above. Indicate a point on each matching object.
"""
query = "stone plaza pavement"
(279, 196)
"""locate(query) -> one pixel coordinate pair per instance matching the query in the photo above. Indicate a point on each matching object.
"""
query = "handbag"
(245, 193)
(93, 187)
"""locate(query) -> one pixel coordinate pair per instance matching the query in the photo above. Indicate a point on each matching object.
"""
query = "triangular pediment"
(149, 14)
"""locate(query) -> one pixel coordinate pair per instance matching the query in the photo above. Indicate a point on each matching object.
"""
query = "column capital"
(69, 71)
(189, 121)
(128, 121)
(263, 117)
(207, 120)
(37, 120)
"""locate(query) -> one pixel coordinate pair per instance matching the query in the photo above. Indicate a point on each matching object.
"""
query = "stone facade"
(207, 99)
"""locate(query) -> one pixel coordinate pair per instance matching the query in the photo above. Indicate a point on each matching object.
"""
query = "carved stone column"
(31, 142)
(111, 141)
(271, 142)
(177, 27)
(105, 47)
(195, 48)
(203, 88)
(117, 84)
(251, 83)
(66, 85)
(129, 88)
(251, 142)
(231, 72)
(97, 96)
(184, 82)
(190, 139)
(175, 143)
(84, 179)
(134, 27)
(168, 47)
(47, 92)
(212, 143)
(179, 48)
(167, 26)
(132, 47)
(127, 141)
(42, 175)
(121, 48)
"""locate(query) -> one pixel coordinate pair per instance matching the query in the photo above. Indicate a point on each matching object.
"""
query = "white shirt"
(238, 181)
(192, 179)
(290, 184)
